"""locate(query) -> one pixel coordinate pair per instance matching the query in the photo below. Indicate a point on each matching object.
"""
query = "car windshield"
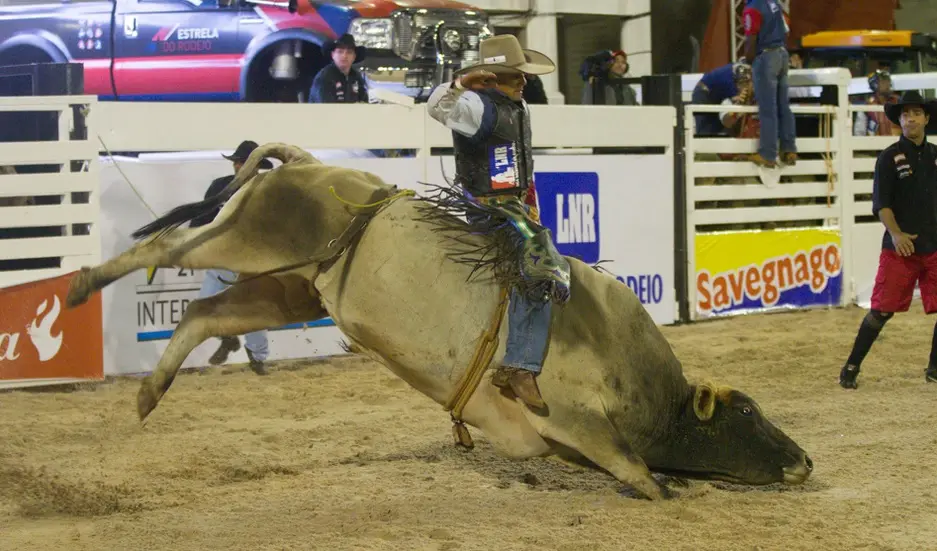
(930, 62)
(861, 63)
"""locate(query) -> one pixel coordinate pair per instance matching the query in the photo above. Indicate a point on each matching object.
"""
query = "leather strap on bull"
(472, 376)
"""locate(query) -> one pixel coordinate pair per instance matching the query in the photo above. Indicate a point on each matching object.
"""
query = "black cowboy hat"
(347, 41)
(243, 151)
(911, 97)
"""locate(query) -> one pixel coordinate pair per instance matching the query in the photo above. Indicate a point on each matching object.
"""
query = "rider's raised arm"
(463, 111)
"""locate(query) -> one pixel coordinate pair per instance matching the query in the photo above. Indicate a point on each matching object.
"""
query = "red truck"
(240, 50)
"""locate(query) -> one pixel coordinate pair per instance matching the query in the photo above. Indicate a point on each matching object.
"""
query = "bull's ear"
(704, 401)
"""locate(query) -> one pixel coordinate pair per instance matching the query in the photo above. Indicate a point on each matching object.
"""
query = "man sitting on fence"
(903, 198)
(765, 38)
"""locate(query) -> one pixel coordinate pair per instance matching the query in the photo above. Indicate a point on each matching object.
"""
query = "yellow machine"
(865, 51)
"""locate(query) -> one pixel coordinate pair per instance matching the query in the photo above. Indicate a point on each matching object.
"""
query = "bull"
(312, 240)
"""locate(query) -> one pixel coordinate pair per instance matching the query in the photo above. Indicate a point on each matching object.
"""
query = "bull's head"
(721, 434)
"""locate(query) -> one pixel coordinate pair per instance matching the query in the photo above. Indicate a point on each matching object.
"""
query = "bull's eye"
(747, 411)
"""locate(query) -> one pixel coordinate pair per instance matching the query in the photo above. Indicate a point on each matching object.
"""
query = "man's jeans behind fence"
(769, 76)
(256, 342)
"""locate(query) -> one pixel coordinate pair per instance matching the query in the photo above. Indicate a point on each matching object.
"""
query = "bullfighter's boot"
(227, 346)
(847, 377)
(930, 375)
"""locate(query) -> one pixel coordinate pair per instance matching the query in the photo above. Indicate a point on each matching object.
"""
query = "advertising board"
(754, 271)
(615, 208)
(42, 340)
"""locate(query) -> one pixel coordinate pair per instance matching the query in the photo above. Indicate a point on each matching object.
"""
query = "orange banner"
(41, 339)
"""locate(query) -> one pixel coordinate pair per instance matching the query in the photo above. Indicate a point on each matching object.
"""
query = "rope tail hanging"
(826, 131)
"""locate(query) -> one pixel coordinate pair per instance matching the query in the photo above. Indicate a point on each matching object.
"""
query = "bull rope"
(472, 376)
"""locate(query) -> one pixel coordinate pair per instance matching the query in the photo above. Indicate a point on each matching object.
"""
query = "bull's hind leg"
(263, 303)
(208, 246)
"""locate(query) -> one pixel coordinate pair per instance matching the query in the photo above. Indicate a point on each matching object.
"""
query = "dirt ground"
(346, 456)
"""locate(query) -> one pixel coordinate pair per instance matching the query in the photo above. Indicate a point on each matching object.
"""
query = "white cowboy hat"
(503, 54)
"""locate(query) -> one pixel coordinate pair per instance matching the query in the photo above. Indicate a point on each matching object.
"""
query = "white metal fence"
(49, 204)
(830, 186)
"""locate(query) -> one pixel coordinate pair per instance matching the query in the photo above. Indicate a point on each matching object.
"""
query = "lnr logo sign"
(569, 207)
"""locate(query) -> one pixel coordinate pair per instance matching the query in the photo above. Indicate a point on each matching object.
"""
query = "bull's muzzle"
(799, 473)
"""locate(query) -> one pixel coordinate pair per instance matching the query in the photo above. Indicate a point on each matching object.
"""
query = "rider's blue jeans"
(528, 332)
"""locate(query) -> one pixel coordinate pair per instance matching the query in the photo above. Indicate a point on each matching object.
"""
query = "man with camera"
(604, 73)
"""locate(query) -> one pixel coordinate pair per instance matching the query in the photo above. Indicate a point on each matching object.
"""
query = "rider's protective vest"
(502, 162)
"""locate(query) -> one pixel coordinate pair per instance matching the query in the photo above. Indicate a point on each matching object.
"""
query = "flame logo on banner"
(46, 344)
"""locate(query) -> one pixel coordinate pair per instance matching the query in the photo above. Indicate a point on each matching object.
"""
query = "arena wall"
(757, 240)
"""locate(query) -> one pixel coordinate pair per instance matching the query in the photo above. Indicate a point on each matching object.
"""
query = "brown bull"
(618, 397)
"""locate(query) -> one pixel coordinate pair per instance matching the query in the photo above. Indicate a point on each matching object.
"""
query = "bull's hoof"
(147, 399)
(657, 492)
(79, 288)
(667, 480)
(667, 493)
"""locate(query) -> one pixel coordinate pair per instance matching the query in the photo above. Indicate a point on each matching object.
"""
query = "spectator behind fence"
(872, 123)
(797, 62)
(255, 344)
(717, 87)
(339, 82)
(765, 37)
(604, 73)
(14, 201)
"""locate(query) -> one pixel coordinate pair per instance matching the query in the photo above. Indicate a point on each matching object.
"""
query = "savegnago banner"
(741, 272)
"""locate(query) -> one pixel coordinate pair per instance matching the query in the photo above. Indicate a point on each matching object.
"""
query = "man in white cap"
(485, 109)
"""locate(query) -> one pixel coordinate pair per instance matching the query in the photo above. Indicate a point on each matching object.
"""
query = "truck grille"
(413, 34)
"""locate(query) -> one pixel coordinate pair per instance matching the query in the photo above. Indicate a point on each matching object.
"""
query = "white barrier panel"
(593, 210)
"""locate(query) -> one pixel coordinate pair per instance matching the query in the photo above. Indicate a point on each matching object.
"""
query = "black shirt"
(216, 187)
(332, 86)
(906, 182)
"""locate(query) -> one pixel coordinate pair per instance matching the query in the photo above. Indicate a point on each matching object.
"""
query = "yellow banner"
(760, 270)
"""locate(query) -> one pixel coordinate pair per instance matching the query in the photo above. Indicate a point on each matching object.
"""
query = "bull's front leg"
(597, 440)
(267, 302)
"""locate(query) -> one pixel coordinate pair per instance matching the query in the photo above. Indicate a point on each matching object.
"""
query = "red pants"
(894, 282)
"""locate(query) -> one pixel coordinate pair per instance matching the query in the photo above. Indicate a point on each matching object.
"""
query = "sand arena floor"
(346, 456)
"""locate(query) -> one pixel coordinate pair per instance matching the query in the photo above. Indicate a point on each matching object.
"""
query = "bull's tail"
(287, 154)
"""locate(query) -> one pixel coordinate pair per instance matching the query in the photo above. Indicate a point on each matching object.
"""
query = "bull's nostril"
(809, 463)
